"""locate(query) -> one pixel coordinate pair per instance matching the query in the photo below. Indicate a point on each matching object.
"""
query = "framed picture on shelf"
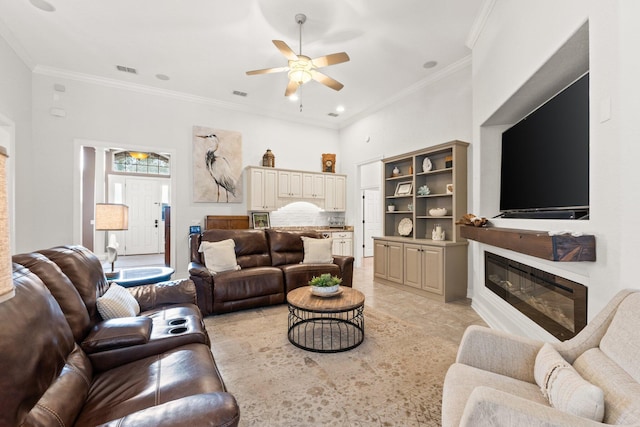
(404, 188)
(260, 220)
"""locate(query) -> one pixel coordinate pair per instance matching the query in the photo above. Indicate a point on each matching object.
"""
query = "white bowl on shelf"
(438, 212)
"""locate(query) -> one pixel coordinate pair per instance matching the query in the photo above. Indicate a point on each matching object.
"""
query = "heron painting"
(217, 165)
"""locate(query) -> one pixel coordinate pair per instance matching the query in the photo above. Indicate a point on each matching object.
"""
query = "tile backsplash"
(303, 214)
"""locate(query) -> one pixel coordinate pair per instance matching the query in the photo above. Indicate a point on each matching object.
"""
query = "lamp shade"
(112, 216)
(7, 290)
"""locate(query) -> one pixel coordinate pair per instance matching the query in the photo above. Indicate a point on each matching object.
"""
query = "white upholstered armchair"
(592, 379)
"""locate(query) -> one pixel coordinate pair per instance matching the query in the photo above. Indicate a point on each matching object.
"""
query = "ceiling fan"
(302, 68)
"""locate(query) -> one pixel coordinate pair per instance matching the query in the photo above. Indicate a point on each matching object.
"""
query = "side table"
(128, 277)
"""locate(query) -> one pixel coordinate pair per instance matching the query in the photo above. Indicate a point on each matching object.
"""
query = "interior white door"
(144, 198)
(371, 212)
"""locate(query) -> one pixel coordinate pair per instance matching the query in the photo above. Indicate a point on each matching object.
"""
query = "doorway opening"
(149, 197)
(370, 210)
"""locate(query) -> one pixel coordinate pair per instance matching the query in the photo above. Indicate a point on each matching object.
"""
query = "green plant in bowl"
(325, 283)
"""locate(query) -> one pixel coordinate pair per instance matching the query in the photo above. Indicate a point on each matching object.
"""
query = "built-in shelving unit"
(407, 256)
(448, 170)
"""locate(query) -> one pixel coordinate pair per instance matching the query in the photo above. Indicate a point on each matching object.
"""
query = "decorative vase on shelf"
(269, 159)
(395, 172)
(437, 233)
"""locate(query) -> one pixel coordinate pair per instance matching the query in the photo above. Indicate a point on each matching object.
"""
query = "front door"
(146, 229)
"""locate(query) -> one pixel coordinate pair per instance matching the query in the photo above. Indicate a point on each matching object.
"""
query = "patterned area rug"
(394, 378)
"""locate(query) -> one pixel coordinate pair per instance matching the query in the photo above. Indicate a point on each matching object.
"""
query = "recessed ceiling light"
(294, 97)
(429, 64)
(340, 108)
(43, 5)
(162, 77)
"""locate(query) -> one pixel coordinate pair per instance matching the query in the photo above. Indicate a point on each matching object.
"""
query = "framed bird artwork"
(217, 165)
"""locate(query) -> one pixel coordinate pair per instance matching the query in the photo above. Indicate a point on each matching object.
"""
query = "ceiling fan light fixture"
(300, 70)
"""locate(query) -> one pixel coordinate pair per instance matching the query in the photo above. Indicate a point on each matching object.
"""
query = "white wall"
(519, 38)
(120, 117)
(15, 124)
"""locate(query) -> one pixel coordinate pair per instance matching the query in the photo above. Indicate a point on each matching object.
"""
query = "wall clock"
(328, 162)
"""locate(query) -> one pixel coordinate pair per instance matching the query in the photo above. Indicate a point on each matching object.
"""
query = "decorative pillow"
(317, 251)
(117, 302)
(563, 386)
(219, 256)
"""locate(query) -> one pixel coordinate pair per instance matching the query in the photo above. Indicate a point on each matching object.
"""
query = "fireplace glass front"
(557, 304)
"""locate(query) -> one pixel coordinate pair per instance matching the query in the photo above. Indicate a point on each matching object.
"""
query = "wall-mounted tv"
(545, 159)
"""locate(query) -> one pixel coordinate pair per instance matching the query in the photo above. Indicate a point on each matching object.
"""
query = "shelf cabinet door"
(335, 193)
(388, 260)
(313, 186)
(263, 189)
(394, 262)
(380, 259)
(289, 184)
(413, 265)
(433, 269)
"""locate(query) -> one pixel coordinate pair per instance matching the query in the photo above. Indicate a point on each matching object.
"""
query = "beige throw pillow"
(117, 302)
(219, 256)
(317, 251)
(563, 386)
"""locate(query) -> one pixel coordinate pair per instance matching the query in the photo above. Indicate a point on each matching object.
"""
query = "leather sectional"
(271, 266)
(62, 364)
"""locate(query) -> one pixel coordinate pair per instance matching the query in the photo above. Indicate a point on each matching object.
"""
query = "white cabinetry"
(262, 189)
(313, 188)
(270, 189)
(335, 189)
(342, 243)
(289, 184)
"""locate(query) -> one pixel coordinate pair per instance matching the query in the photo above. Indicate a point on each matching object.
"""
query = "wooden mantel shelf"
(535, 243)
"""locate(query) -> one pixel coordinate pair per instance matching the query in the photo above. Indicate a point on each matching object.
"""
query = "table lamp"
(112, 217)
(7, 291)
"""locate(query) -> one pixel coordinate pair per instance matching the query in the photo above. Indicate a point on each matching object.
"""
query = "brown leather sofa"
(270, 262)
(62, 365)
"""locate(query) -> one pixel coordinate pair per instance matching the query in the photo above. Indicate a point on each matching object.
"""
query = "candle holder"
(437, 233)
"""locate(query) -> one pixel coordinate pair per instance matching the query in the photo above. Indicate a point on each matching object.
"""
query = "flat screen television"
(545, 159)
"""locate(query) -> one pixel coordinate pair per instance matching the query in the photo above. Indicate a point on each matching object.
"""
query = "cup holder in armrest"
(178, 321)
(179, 330)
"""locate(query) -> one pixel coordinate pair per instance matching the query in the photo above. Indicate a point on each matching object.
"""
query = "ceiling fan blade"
(334, 58)
(326, 80)
(285, 50)
(292, 87)
(267, 71)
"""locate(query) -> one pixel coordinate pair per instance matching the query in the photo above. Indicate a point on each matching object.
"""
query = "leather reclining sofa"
(271, 266)
(61, 364)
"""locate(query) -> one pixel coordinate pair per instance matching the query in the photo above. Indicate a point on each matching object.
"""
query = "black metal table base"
(326, 332)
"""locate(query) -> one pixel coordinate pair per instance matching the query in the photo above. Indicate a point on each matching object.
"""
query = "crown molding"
(181, 96)
(15, 45)
(427, 81)
(479, 23)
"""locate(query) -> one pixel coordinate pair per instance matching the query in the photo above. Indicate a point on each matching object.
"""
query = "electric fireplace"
(557, 304)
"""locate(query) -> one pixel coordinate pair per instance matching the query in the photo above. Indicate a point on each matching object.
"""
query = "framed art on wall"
(217, 165)
(260, 220)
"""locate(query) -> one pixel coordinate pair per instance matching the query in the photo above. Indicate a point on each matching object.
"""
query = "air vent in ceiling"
(239, 93)
(333, 114)
(126, 69)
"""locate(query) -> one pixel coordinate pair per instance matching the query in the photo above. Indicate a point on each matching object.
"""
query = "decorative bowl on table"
(438, 212)
(325, 284)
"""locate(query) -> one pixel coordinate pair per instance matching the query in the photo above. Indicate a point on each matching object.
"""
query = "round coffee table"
(326, 324)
